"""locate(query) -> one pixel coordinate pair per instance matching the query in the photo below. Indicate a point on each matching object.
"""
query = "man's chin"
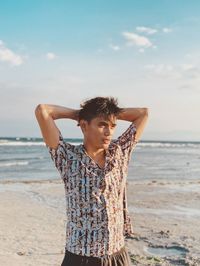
(106, 144)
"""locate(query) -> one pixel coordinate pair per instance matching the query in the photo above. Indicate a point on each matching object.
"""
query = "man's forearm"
(131, 114)
(58, 112)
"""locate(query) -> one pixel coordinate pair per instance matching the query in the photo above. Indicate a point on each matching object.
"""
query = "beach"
(165, 216)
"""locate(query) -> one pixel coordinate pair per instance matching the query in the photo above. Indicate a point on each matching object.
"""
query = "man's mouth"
(106, 140)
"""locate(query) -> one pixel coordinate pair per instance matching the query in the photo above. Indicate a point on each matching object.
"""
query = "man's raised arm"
(138, 116)
(46, 114)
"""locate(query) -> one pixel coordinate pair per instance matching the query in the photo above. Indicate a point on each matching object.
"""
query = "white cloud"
(146, 30)
(160, 69)
(181, 71)
(50, 56)
(190, 71)
(166, 71)
(138, 40)
(166, 30)
(187, 66)
(114, 47)
(7, 55)
(151, 30)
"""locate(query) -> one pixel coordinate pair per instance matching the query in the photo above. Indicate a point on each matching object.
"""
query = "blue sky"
(145, 53)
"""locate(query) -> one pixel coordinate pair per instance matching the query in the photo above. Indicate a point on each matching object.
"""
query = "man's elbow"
(40, 111)
(146, 111)
(39, 108)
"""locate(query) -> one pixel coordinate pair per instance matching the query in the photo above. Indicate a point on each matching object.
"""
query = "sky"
(144, 53)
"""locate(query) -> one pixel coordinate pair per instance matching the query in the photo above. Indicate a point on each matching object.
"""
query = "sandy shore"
(165, 215)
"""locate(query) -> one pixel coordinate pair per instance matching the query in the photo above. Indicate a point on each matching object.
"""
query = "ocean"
(28, 159)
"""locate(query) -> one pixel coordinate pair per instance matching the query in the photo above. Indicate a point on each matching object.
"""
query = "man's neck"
(94, 153)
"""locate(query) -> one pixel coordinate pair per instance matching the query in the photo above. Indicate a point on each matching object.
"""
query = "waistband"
(94, 258)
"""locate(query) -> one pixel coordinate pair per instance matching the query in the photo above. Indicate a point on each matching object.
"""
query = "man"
(94, 174)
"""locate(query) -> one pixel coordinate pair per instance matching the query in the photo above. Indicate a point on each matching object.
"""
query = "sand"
(165, 216)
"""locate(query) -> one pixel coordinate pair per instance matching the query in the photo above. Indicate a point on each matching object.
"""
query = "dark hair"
(98, 107)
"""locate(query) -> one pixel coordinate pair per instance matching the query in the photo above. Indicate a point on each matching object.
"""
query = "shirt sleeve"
(60, 155)
(128, 228)
(127, 141)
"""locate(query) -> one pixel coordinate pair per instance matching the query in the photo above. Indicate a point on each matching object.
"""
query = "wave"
(13, 163)
(140, 144)
(21, 143)
(169, 144)
(26, 143)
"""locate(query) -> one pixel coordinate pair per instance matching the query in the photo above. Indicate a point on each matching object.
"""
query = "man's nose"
(107, 131)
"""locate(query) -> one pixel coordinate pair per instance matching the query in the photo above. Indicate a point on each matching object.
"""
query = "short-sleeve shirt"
(96, 198)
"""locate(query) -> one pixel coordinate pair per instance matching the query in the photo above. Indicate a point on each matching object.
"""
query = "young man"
(94, 174)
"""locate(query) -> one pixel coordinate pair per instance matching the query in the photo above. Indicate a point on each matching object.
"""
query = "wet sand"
(165, 217)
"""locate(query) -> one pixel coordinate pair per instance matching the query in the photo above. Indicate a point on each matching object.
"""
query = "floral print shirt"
(96, 198)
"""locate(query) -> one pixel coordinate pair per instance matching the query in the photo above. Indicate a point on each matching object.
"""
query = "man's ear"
(83, 125)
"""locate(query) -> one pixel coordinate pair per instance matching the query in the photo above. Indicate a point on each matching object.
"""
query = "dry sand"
(165, 216)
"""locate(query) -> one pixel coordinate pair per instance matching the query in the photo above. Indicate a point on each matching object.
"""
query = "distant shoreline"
(80, 140)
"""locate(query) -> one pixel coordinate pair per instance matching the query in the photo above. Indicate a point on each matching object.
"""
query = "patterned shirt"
(96, 198)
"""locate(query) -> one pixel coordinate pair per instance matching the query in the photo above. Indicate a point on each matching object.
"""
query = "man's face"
(99, 131)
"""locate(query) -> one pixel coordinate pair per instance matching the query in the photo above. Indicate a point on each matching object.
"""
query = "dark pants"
(119, 258)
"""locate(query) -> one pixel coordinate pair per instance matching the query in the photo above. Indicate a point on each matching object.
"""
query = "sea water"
(29, 159)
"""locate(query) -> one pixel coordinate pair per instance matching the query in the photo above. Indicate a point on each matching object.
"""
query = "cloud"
(146, 30)
(166, 30)
(159, 67)
(114, 47)
(50, 56)
(187, 66)
(141, 40)
(7, 55)
(163, 70)
(151, 31)
(190, 71)
(137, 40)
(181, 71)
